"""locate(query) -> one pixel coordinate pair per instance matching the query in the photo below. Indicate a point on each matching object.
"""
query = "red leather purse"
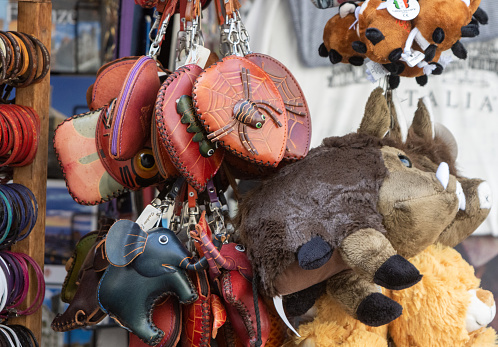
(167, 316)
(109, 81)
(193, 155)
(133, 109)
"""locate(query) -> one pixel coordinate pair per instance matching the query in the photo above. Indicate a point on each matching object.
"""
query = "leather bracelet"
(24, 134)
(29, 57)
(16, 55)
(21, 288)
(24, 61)
(3, 61)
(10, 53)
(11, 337)
(18, 212)
(5, 284)
(40, 293)
(20, 128)
(33, 132)
(31, 205)
(7, 217)
(15, 129)
(45, 59)
(25, 332)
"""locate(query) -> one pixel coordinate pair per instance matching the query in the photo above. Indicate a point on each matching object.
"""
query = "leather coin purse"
(241, 108)
(133, 109)
(167, 316)
(91, 176)
(298, 114)
(180, 131)
(109, 81)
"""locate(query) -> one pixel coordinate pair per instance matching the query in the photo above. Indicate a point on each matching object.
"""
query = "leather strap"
(192, 197)
(30, 60)
(43, 59)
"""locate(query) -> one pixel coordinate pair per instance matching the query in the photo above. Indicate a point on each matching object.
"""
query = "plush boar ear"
(422, 124)
(376, 120)
(443, 133)
(398, 129)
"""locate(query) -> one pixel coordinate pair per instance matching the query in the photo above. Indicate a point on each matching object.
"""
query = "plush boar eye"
(163, 239)
(404, 159)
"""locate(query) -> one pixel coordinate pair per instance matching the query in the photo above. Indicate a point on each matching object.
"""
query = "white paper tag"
(198, 55)
(403, 9)
(414, 58)
(375, 71)
(149, 217)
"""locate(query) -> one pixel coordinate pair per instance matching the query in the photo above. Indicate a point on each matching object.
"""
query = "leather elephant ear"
(125, 241)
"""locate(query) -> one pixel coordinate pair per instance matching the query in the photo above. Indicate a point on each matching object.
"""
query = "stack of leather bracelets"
(19, 210)
(24, 60)
(17, 336)
(19, 134)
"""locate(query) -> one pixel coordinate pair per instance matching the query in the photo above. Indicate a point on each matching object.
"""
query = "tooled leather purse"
(91, 176)
(196, 158)
(259, 86)
(231, 270)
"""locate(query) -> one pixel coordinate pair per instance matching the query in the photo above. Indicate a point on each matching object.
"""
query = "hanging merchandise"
(447, 277)
(24, 60)
(300, 250)
(91, 176)
(250, 103)
(84, 270)
(400, 38)
(181, 133)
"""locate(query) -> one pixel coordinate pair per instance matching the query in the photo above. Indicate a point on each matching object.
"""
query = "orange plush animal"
(339, 35)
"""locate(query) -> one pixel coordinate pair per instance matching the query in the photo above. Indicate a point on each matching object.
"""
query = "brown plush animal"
(339, 35)
(447, 307)
(357, 196)
(382, 37)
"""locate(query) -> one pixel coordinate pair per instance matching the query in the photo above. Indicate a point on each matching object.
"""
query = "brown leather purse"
(242, 110)
(180, 132)
(298, 114)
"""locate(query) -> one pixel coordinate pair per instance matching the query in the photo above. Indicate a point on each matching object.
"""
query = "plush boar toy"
(359, 200)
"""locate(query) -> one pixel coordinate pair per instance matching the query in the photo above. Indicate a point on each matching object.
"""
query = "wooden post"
(35, 17)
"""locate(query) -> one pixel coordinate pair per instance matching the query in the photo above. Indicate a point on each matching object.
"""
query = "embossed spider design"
(247, 112)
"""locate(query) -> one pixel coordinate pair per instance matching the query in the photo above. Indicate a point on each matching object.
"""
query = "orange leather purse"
(242, 110)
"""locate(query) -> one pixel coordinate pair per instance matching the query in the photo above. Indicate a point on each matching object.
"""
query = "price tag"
(414, 58)
(149, 217)
(403, 9)
(375, 71)
(198, 55)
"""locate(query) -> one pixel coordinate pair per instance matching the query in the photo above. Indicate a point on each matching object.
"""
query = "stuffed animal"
(427, 320)
(441, 23)
(446, 308)
(339, 35)
(382, 37)
(349, 197)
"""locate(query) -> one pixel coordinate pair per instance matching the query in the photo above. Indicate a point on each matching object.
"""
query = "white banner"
(464, 98)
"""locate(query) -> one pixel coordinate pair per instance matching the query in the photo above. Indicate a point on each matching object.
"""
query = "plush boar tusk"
(443, 174)
(279, 306)
(462, 202)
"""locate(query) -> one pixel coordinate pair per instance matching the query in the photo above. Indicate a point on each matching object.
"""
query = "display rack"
(35, 18)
